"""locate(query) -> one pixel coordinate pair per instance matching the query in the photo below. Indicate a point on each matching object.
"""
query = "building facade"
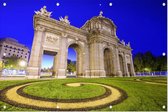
(11, 47)
(100, 53)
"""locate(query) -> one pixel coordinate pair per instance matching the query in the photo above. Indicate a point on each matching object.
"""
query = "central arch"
(108, 62)
(79, 59)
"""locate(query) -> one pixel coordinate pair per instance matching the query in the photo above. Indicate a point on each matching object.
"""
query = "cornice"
(50, 22)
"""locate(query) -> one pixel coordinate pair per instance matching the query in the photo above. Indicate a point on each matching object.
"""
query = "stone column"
(132, 66)
(86, 61)
(62, 58)
(118, 64)
(101, 60)
(55, 66)
(125, 65)
(96, 60)
(79, 62)
(34, 66)
(114, 59)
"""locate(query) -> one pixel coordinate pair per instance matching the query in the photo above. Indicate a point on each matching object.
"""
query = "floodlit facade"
(100, 53)
(11, 47)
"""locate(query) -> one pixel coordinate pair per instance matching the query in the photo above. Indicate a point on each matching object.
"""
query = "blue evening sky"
(140, 22)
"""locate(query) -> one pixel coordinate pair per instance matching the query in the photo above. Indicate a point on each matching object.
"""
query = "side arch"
(79, 49)
(108, 61)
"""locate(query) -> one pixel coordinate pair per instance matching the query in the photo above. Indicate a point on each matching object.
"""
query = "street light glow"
(22, 63)
(4, 54)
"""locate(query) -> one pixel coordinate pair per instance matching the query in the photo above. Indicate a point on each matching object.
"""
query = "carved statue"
(123, 42)
(128, 44)
(43, 12)
(64, 20)
(101, 14)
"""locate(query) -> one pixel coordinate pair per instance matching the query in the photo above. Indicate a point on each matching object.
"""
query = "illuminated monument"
(99, 51)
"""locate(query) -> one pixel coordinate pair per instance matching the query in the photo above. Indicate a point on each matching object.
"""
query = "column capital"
(64, 34)
(39, 28)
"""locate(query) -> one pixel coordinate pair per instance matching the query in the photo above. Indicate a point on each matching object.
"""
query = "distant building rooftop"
(12, 41)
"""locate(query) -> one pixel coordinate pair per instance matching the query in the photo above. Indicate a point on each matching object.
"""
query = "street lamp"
(22, 63)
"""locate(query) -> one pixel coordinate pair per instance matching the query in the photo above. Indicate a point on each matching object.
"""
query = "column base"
(119, 73)
(97, 73)
(33, 72)
(61, 73)
(33, 77)
(61, 77)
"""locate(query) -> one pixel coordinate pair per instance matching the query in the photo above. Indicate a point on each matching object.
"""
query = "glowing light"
(110, 4)
(110, 106)
(100, 4)
(147, 69)
(22, 63)
(163, 106)
(163, 54)
(4, 4)
(4, 106)
(163, 4)
(57, 4)
(4, 54)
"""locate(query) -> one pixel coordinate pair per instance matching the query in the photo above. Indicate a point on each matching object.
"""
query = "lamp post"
(22, 63)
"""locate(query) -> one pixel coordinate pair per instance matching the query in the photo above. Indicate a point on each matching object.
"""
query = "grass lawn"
(56, 89)
(142, 96)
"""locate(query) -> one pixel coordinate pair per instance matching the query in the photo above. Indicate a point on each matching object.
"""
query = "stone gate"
(100, 53)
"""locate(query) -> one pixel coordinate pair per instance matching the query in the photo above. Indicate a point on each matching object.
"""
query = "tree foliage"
(145, 62)
(13, 62)
(1, 65)
(71, 67)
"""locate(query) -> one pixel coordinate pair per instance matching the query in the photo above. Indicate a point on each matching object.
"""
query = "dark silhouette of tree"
(148, 62)
(138, 62)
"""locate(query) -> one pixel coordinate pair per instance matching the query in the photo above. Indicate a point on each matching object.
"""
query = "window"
(5, 48)
(8, 53)
(10, 50)
(13, 51)
(25, 56)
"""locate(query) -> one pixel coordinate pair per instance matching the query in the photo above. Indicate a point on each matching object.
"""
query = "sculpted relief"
(51, 40)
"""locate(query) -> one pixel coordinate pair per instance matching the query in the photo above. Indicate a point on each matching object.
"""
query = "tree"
(148, 62)
(1, 65)
(161, 63)
(138, 62)
(71, 67)
(13, 62)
